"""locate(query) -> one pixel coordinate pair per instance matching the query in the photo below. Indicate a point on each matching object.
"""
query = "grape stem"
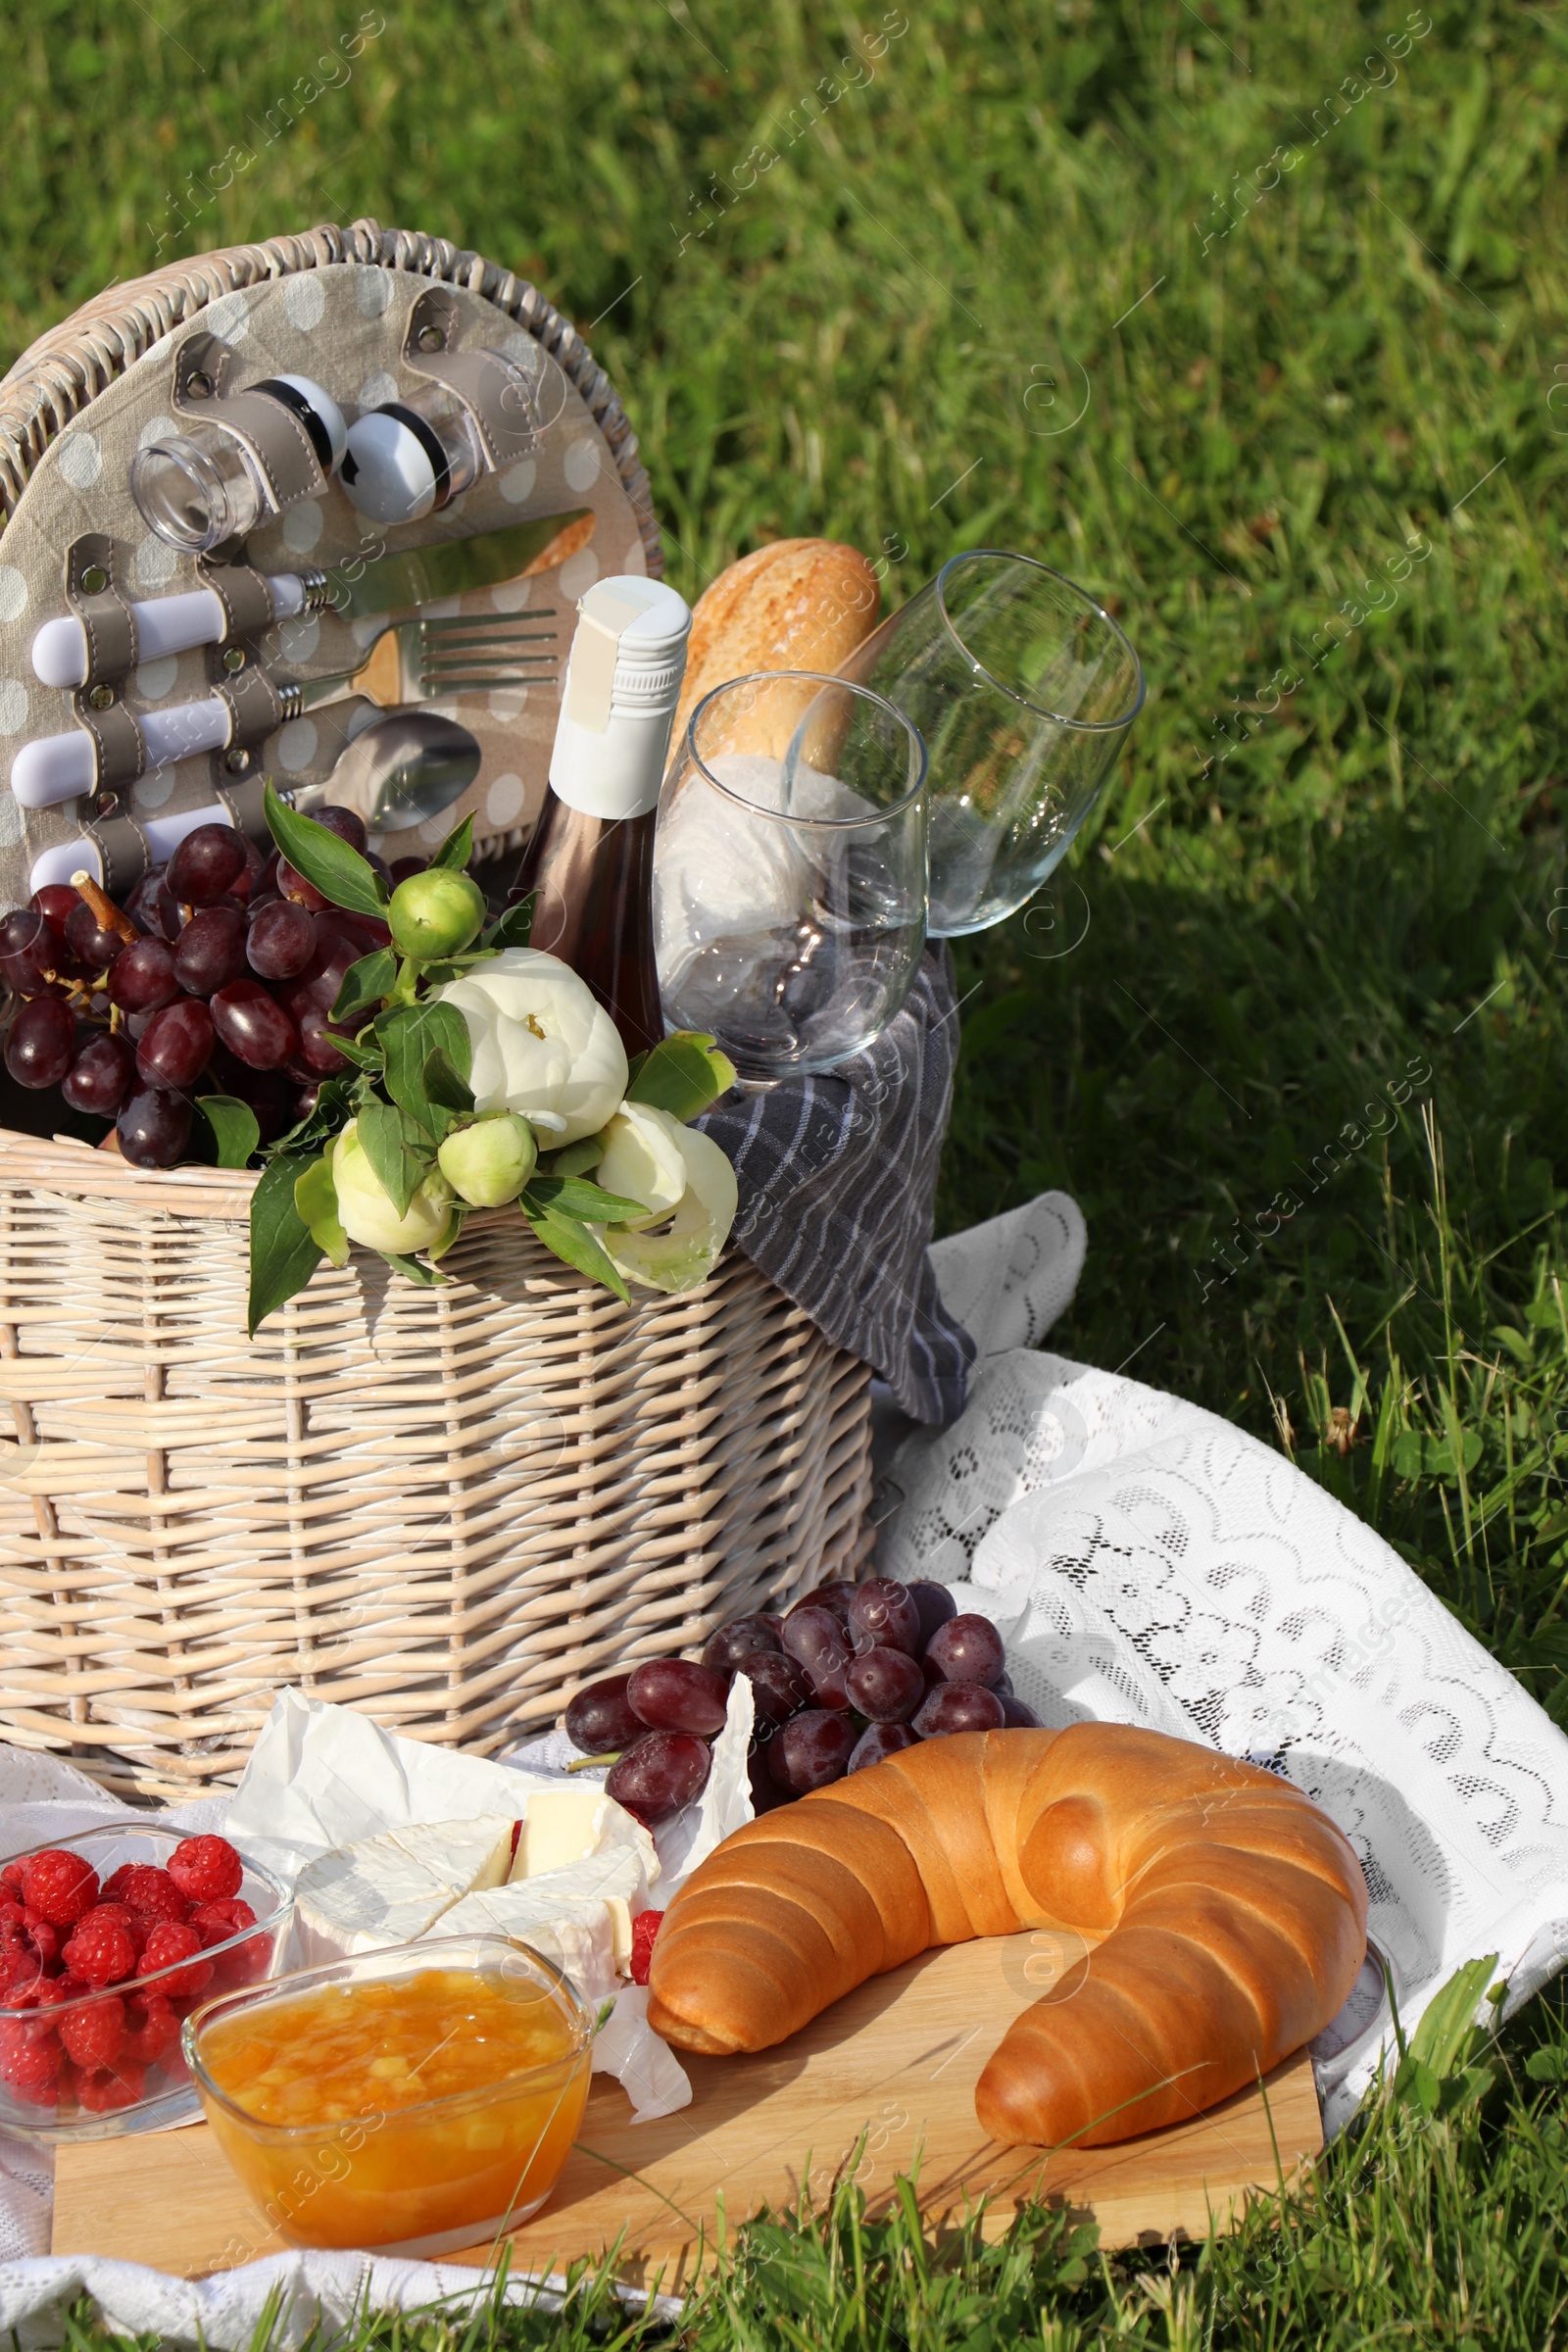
(588, 1763)
(104, 909)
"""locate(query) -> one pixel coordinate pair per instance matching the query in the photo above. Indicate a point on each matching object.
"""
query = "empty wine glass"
(789, 871)
(1024, 691)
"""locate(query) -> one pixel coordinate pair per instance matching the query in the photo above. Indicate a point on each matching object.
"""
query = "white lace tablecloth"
(1148, 1564)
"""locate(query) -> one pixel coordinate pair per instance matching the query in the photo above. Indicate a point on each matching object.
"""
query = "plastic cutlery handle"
(170, 624)
(164, 837)
(55, 767)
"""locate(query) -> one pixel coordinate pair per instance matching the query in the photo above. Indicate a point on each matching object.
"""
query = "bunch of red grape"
(222, 967)
(95, 1980)
(851, 1675)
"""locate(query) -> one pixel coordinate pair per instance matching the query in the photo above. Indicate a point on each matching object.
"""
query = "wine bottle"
(590, 865)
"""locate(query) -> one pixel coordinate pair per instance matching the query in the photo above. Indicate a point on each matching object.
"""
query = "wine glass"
(1024, 691)
(789, 871)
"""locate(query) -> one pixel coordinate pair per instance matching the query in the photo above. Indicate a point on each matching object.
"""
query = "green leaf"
(399, 1155)
(452, 967)
(574, 1159)
(410, 1034)
(1447, 2032)
(570, 1196)
(361, 1054)
(330, 1116)
(283, 1252)
(338, 872)
(1419, 1455)
(234, 1129)
(442, 1085)
(457, 848)
(365, 984)
(438, 1249)
(575, 1246)
(1547, 2066)
(512, 926)
(416, 1270)
(315, 1199)
(683, 1074)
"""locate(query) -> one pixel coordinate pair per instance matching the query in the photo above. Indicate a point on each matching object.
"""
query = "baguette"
(800, 604)
(1228, 1917)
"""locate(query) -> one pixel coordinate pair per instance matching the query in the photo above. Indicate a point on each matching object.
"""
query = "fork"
(420, 661)
(407, 662)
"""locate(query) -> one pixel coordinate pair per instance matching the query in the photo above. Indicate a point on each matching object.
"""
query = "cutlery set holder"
(446, 1506)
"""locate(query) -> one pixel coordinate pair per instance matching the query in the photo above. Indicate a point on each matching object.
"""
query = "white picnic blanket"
(1148, 1563)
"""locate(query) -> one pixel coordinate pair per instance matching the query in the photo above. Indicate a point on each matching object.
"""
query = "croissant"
(1227, 1915)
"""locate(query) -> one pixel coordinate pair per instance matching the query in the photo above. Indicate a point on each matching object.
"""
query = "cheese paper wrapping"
(321, 1777)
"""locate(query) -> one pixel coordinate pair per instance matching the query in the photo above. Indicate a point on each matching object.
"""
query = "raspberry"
(143, 1887)
(44, 1998)
(61, 1885)
(172, 1942)
(644, 1933)
(12, 1915)
(19, 1965)
(10, 1877)
(104, 2089)
(206, 1869)
(137, 1925)
(216, 1923)
(152, 2030)
(30, 2063)
(93, 2033)
(101, 1951)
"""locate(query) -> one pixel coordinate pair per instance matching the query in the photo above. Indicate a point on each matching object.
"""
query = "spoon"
(399, 771)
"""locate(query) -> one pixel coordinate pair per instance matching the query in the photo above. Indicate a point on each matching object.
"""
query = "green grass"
(1291, 1024)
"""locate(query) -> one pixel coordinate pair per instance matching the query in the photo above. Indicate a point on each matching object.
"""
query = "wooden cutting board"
(896, 2060)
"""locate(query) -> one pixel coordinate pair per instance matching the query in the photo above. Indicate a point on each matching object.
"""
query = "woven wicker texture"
(447, 1507)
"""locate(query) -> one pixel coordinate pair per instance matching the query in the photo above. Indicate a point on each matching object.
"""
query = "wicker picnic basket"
(447, 1507)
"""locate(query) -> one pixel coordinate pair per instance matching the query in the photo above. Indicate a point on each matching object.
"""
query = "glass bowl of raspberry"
(108, 1940)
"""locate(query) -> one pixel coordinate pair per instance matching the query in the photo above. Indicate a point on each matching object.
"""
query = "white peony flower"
(677, 1244)
(366, 1211)
(542, 1046)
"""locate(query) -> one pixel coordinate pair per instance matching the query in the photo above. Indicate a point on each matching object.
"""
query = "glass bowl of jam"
(413, 2100)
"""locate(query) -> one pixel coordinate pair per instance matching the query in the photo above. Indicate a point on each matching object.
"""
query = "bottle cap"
(623, 679)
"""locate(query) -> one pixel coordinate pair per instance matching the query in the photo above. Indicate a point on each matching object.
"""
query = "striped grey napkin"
(837, 1179)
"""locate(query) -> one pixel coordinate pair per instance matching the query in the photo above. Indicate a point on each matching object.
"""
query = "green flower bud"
(435, 913)
(488, 1163)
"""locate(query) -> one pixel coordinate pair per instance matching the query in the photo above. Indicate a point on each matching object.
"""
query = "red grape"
(57, 902)
(153, 906)
(812, 1750)
(175, 1044)
(967, 1649)
(739, 1639)
(304, 1102)
(766, 1794)
(101, 1076)
(1002, 1684)
(816, 1637)
(935, 1604)
(281, 940)
(378, 865)
(246, 880)
(671, 1694)
(42, 1043)
(211, 952)
(293, 885)
(364, 931)
(834, 1596)
(882, 1616)
(1019, 1718)
(402, 867)
(141, 977)
(878, 1742)
(205, 864)
(87, 942)
(346, 823)
(600, 1719)
(253, 1026)
(663, 1772)
(154, 1127)
(959, 1707)
(780, 1687)
(317, 1048)
(886, 1685)
(28, 951)
(269, 1093)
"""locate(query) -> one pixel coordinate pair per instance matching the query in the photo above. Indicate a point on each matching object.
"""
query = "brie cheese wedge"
(394, 1887)
(563, 1825)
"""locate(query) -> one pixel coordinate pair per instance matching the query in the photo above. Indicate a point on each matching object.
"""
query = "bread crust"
(1231, 1913)
(796, 604)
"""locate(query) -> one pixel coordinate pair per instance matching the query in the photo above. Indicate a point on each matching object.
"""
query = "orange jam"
(397, 2111)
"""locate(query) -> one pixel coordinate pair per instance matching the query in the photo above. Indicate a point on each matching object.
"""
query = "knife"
(172, 624)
